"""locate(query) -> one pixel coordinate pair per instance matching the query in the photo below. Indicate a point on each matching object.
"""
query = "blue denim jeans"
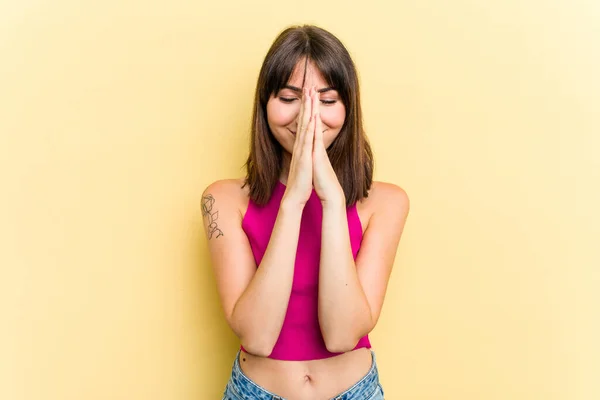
(240, 387)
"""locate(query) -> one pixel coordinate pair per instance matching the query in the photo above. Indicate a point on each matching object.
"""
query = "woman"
(303, 246)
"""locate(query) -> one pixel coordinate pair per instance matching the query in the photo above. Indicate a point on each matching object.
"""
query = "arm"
(351, 293)
(254, 300)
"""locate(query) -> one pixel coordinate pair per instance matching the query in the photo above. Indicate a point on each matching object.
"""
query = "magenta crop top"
(300, 337)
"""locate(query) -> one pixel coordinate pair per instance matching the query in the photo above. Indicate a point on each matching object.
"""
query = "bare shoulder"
(229, 195)
(223, 206)
(389, 193)
(386, 199)
(230, 187)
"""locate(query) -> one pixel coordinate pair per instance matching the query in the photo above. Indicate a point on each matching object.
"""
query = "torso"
(307, 380)
(314, 379)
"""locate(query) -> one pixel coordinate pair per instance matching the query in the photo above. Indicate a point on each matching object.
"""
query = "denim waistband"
(240, 387)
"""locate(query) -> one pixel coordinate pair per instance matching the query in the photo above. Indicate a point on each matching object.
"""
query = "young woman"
(303, 246)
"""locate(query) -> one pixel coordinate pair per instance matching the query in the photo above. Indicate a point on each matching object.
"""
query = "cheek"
(333, 117)
(280, 114)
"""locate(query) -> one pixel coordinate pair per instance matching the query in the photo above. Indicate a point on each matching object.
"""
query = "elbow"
(258, 350)
(258, 346)
(340, 344)
(344, 340)
(254, 341)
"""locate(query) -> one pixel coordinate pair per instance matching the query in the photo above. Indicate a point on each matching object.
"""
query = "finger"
(301, 129)
(319, 131)
(303, 118)
(314, 107)
(300, 119)
(315, 101)
(309, 138)
(307, 112)
(316, 110)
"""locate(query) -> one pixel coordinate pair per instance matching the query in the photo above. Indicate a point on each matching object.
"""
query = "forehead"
(312, 77)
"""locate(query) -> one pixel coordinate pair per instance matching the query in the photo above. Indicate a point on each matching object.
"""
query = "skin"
(351, 293)
(284, 112)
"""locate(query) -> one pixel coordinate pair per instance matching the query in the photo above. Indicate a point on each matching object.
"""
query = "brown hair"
(350, 153)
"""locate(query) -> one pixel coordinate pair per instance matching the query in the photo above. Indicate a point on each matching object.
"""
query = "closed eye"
(287, 100)
(291, 99)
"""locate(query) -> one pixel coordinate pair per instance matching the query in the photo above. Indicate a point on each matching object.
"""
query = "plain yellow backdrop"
(115, 115)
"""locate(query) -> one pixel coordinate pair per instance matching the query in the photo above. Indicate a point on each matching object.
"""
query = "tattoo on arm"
(207, 205)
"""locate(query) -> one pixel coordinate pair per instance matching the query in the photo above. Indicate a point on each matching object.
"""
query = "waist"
(324, 378)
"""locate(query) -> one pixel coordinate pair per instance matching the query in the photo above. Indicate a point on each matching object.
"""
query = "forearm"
(260, 311)
(344, 313)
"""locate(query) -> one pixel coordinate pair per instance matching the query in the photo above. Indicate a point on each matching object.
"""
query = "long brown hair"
(350, 153)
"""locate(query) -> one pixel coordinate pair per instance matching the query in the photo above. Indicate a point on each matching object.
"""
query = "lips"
(292, 132)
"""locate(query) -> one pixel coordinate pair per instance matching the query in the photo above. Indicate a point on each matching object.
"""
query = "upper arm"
(230, 252)
(379, 245)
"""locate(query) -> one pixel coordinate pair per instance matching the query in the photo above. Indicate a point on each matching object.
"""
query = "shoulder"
(231, 186)
(389, 195)
(228, 193)
(387, 199)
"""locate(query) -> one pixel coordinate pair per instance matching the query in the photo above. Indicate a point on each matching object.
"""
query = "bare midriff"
(307, 380)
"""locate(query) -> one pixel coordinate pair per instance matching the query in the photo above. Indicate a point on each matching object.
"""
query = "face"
(283, 108)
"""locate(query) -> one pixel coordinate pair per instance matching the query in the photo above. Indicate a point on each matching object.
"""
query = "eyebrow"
(298, 90)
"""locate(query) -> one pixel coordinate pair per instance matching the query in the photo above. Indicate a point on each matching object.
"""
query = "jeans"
(240, 387)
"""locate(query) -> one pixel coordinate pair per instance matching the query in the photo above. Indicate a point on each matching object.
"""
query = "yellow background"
(114, 116)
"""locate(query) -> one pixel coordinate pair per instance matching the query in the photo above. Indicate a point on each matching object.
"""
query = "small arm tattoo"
(207, 205)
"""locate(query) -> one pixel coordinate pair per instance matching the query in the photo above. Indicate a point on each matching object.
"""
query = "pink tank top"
(300, 337)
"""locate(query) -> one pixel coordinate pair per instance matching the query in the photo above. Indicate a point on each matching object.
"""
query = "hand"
(325, 180)
(300, 177)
